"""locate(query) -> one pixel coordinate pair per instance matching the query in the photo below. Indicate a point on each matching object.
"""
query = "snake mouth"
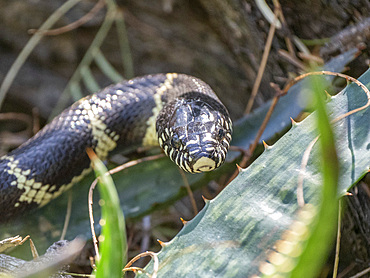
(203, 164)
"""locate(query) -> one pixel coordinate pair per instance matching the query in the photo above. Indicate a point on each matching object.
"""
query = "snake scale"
(178, 112)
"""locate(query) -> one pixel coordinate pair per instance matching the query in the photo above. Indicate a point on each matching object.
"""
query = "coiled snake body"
(176, 111)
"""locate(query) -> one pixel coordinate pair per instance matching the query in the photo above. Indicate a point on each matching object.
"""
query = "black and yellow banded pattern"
(176, 108)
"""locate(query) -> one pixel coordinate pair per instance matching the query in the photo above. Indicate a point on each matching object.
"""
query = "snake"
(178, 112)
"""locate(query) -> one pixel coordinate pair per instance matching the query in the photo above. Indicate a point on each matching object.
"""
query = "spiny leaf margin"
(232, 233)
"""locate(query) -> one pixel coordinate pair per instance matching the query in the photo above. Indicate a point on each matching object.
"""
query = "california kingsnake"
(179, 112)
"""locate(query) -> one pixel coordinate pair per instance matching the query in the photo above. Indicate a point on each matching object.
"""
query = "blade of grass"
(323, 229)
(86, 61)
(113, 241)
(31, 44)
(75, 89)
(267, 13)
(74, 25)
(124, 46)
(89, 80)
(107, 68)
(263, 63)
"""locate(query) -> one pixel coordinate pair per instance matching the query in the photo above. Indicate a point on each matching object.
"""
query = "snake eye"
(221, 133)
(175, 141)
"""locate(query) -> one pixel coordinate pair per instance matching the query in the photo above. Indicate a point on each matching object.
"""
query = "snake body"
(178, 112)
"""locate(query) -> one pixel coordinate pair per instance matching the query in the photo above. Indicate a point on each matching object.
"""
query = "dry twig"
(337, 245)
(190, 192)
(12, 242)
(74, 25)
(93, 185)
(300, 197)
(262, 67)
(68, 215)
(147, 253)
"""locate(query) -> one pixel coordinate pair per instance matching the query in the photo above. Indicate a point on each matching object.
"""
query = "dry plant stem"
(243, 161)
(362, 273)
(264, 123)
(91, 215)
(337, 245)
(310, 146)
(237, 149)
(288, 41)
(31, 44)
(135, 269)
(16, 116)
(24, 240)
(35, 120)
(135, 162)
(76, 274)
(310, 57)
(68, 215)
(262, 65)
(306, 156)
(19, 117)
(146, 228)
(147, 253)
(74, 25)
(248, 154)
(190, 192)
(347, 77)
(73, 83)
(34, 252)
(93, 185)
(12, 242)
(291, 59)
(245, 158)
(124, 46)
(344, 272)
(92, 263)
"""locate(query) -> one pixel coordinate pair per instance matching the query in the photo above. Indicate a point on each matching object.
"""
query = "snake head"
(195, 132)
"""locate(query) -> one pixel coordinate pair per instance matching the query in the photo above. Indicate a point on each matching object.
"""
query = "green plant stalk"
(113, 242)
(323, 228)
(267, 13)
(86, 61)
(123, 41)
(124, 44)
(89, 80)
(107, 68)
(31, 44)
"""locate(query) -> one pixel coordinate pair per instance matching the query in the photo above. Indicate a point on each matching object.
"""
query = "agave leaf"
(233, 233)
(289, 106)
(148, 186)
(319, 232)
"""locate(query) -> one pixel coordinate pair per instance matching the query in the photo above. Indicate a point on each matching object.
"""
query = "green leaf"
(89, 80)
(323, 228)
(155, 184)
(233, 233)
(107, 68)
(112, 241)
